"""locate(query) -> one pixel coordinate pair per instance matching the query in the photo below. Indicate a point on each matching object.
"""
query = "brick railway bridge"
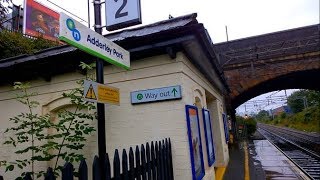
(260, 64)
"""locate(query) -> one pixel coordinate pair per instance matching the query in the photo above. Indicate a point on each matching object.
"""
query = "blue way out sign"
(158, 94)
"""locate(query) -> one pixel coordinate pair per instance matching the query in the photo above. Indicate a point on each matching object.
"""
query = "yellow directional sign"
(95, 92)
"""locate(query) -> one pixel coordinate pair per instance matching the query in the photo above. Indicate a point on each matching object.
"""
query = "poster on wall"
(196, 155)
(226, 130)
(208, 135)
(40, 21)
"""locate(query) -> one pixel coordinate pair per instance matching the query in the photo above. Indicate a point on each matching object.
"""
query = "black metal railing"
(147, 162)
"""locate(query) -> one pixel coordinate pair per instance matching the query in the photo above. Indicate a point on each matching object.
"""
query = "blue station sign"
(158, 94)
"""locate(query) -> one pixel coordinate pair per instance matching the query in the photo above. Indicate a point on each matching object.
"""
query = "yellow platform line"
(220, 173)
(246, 162)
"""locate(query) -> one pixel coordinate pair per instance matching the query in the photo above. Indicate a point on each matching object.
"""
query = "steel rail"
(303, 150)
(296, 131)
(301, 137)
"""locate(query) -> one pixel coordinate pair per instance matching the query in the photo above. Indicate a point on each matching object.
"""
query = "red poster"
(40, 21)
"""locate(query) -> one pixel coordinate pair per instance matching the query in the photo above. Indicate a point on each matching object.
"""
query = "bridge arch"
(281, 60)
(308, 79)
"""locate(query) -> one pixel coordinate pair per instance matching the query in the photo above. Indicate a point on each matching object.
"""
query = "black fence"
(149, 162)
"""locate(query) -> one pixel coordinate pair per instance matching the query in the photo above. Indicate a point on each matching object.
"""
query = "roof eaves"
(38, 55)
(169, 24)
(139, 32)
(208, 45)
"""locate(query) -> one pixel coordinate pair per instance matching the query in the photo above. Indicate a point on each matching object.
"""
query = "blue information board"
(208, 135)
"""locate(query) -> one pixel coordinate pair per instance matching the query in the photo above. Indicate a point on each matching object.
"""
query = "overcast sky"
(244, 18)
(268, 101)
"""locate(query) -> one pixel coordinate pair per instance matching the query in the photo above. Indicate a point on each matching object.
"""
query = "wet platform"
(258, 159)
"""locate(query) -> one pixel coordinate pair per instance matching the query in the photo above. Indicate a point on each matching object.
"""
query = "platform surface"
(258, 159)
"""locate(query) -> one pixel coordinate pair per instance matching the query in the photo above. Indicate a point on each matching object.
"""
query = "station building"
(174, 52)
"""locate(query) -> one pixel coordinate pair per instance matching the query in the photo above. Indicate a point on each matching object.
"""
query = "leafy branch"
(69, 130)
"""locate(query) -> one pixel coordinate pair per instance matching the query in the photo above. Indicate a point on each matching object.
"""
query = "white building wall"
(128, 125)
(220, 145)
(197, 86)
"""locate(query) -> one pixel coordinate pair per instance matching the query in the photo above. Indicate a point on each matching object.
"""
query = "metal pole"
(100, 107)
(285, 92)
(88, 13)
(304, 102)
(227, 33)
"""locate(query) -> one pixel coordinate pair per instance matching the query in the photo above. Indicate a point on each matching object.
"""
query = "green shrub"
(251, 125)
(15, 44)
(27, 135)
(283, 115)
(306, 120)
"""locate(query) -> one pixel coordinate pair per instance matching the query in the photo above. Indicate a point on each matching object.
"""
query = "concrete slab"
(275, 165)
(265, 161)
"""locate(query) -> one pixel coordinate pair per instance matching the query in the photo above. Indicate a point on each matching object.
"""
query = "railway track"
(310, 141)
(304, 158)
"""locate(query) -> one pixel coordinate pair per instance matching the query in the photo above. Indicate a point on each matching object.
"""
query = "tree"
(14, 44)
(30, 131)
(249, 122)
(295, 101)
(251, 125)
(239, 119)
(263, 115)
(313, 98)
(301, 99)
(3, 11)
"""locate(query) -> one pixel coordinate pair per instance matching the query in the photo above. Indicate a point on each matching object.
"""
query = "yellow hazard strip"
(246, 162)
(220, 173)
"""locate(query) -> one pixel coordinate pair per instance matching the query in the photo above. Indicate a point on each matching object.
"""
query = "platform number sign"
(119, 12)
(122, 13)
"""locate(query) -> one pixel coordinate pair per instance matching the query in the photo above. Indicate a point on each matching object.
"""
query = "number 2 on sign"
(120, 14)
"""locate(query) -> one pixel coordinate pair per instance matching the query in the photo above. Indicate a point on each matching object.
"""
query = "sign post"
(100, 107)
(76, 34)
(82, 37)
